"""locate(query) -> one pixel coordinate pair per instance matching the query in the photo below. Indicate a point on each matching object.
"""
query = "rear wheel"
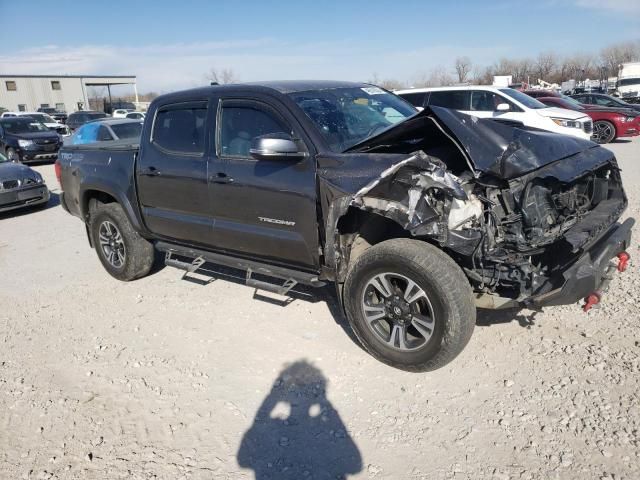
(603, 131)
(121, 250)
(409, 304)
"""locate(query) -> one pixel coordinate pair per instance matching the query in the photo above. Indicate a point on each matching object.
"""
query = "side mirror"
(274, 146)
(503, 107)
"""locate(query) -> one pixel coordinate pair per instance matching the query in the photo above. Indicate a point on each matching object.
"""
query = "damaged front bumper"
(591, 269)
(588, 274)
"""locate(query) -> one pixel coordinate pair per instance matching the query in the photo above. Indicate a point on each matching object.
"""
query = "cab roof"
(282, 86)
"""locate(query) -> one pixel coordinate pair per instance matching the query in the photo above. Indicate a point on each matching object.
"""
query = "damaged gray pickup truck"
(417, 217)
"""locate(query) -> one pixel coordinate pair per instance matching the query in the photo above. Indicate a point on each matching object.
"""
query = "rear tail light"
(58, 169)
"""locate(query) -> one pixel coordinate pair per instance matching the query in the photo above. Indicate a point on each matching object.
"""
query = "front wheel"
(121, 250)
(603, 131)
(13, 156)
(409, 304)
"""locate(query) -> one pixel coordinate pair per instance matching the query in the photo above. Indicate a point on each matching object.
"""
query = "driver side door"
(263, 208)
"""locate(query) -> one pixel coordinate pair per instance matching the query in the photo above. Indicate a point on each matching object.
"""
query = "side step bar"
(290, 277)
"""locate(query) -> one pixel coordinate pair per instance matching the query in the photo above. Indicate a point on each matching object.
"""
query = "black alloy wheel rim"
(112, 244)
(398, 311)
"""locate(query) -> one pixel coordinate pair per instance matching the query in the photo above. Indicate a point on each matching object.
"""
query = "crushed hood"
(504, 150)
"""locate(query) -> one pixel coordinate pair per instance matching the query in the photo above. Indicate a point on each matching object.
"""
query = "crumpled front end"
(515, 236)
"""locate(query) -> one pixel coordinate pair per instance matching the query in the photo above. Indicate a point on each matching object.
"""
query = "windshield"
(24, 126)
(523, 98)
(127, 130)
(346, 116)
(574, 103)
(625, 82)
(41, 117)
(3, 158)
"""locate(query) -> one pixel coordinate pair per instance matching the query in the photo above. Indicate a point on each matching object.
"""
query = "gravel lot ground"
(169, 378)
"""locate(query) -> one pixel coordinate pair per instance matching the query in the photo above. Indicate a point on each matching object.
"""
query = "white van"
(502, 104)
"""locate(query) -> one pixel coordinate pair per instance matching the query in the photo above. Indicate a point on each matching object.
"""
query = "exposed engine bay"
(509, 236)
(514, 225)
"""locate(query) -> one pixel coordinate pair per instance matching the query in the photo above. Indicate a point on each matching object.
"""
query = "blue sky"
(171, 44)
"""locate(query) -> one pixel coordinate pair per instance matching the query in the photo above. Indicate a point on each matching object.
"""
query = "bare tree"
(546, 63)
(439, 77)
(482, 75)
(226, 75)
(391, 84)
(614, 55)
(375, 79)
(463, 67)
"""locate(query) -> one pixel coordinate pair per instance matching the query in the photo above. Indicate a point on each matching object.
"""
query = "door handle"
(151, 172)
(221, 177)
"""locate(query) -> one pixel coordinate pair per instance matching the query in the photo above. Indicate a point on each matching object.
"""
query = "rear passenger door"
(172, 174)
(263, 208)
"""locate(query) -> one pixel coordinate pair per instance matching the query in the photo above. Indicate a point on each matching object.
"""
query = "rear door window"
(455, 99)
(181, 128)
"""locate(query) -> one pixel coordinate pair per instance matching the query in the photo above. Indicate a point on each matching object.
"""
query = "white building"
(63, 92)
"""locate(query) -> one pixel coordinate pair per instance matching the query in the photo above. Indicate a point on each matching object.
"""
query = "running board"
(186, 266)
(290, 277)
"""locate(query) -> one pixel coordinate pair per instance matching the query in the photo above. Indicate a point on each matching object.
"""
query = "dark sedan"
(24, 139)
(20, 186)
(602, 100)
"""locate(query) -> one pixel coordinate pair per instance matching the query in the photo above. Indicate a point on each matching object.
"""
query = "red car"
(608, 123)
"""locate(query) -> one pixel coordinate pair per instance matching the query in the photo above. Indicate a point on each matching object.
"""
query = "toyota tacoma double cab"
(416, 217)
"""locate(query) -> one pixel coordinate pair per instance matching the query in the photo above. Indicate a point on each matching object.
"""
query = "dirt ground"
(203, 378)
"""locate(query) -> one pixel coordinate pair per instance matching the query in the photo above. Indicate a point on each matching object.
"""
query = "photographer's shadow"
(297, 434)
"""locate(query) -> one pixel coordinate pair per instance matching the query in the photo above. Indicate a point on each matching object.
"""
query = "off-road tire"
(610, 137)
(139, 253)
(439, 277)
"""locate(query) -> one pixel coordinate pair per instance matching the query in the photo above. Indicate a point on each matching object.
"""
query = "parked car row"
(44, 118)
(600, 118)
(503, 104)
